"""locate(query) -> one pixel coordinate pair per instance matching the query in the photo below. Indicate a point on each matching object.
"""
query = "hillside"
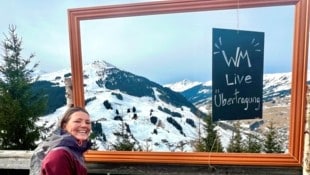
(276, 106)
(123, 103)
(120, 102)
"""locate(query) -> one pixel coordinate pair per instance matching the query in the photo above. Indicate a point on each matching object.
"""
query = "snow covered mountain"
(182, 85)
(154, 117)
(275, 85)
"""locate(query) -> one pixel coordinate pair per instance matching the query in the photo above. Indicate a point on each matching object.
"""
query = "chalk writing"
(237, 74)
(221, 100)
(237, 79)
(239, 55)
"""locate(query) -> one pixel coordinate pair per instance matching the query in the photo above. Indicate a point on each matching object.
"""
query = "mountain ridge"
(117, 99)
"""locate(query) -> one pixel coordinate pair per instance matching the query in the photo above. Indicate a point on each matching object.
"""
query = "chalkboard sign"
(237, 74)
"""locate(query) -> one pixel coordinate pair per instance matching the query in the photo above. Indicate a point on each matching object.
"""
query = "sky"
(163, 48)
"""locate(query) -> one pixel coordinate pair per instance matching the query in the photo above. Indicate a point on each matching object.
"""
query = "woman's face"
(79, 125)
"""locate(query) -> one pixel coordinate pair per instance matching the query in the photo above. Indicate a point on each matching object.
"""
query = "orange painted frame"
(298, 93)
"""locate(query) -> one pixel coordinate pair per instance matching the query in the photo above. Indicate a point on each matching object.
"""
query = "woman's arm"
(58, 162)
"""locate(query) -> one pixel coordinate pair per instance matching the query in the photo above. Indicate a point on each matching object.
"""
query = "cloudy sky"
(163, 48)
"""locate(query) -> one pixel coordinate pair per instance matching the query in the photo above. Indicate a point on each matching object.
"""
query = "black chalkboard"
(237, 74)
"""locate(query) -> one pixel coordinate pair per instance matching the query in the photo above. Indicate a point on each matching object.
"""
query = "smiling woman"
(293, 157)
(62, 152)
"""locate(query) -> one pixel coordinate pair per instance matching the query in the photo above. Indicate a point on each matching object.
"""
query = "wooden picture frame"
(298, 92)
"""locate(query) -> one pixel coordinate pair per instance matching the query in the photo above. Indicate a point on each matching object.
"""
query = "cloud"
(134, 43)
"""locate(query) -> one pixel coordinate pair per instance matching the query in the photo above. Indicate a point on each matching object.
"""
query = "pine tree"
(20, 107)
(272, 144)
(123, 142)
(199, 145)
(235, 143)
(212, 142)
(253, 144)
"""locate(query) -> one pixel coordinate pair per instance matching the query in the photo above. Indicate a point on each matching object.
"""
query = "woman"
(66, 149)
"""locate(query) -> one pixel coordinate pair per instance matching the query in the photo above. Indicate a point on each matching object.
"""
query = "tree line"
(239, 142)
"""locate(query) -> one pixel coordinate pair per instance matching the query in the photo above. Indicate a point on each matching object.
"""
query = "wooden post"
(306, 162)
(68, 86)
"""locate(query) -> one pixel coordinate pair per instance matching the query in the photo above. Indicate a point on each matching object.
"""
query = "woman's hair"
(67, 115)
